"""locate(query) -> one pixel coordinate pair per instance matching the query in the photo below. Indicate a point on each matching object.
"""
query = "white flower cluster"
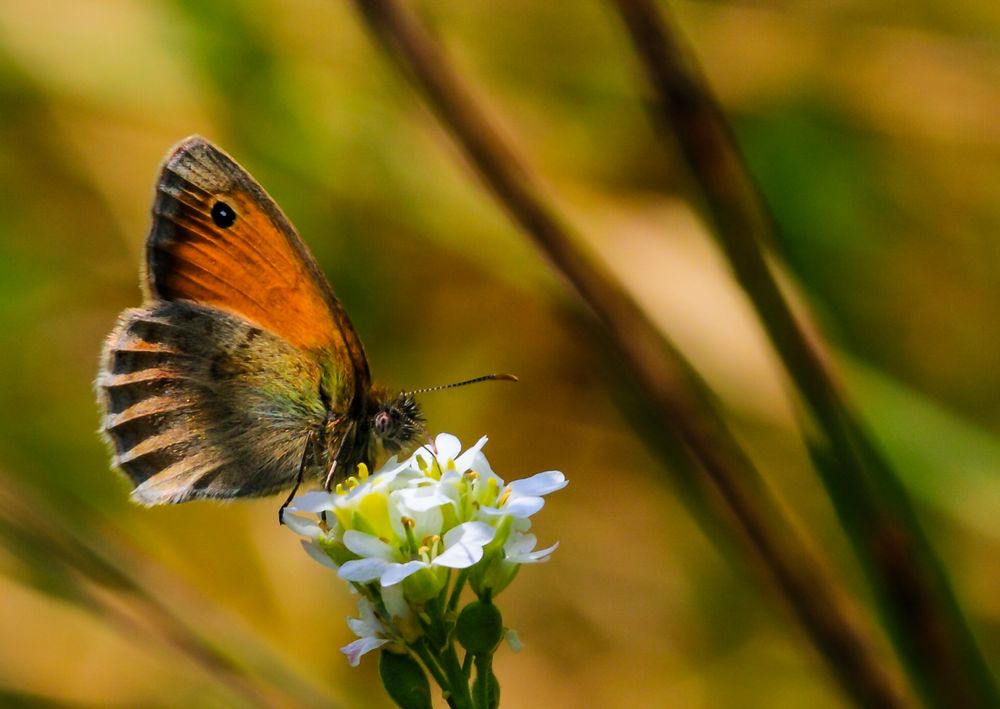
(404, 528)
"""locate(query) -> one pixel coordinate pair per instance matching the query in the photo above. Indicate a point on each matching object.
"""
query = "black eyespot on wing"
(223, 215)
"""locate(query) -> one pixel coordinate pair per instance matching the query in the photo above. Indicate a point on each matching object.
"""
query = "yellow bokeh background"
(872, 129)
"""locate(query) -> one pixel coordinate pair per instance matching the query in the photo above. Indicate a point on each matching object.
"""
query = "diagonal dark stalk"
(674, 394)
(916, 599)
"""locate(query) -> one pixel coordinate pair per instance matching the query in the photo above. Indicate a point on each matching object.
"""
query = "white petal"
(423, 498)
(354, 493)
(464, 461)
(367, 612)
(470, 533)
(313, 502)
(519, 544)
(392, 477)
(301, 525)
(447, 447)
(539, 484)
(523, 506)
(425, 522)
(482, 466)
(464, 545)
(397, 572)
(485, 472)
(363, 628)
(510, 635)
(451, 478)
(547, 551)
(391, 465)
(520, 524)
(520, 508)
(363, 570)
(395, 601)
(459, 557)
(535, 557)
(518, 549)
(366, 545)
(316, 552)
(359, 647)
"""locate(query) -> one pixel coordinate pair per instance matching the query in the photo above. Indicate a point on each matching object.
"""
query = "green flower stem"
(433, 666)
(458, 680)
(481, 688)
(436, 629)
(457, 590)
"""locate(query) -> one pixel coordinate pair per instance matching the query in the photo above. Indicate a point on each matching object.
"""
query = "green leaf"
(404, 680)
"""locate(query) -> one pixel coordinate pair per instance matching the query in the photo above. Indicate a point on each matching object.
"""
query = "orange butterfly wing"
(218, 239)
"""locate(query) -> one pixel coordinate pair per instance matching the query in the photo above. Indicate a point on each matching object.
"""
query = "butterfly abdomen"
(182, 384)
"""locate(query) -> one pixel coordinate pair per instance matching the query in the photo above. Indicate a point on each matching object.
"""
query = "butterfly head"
(397, 421)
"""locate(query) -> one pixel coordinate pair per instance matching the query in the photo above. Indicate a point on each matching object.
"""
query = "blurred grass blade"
(75, 568)
(13, 699)
(948, 462)
(675, 395)
(923, 617)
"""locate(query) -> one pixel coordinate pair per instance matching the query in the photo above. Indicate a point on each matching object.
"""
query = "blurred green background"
(874, 129)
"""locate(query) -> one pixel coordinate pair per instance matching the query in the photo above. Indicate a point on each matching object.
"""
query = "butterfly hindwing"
(202, 403)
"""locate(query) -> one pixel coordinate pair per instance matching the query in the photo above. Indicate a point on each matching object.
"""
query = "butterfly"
(241, 373)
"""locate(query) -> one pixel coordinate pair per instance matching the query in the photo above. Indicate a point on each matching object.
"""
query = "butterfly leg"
(298, 478)
(330, 476)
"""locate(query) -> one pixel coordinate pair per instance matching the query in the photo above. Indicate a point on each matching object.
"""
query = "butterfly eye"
(383, 423)
(223, 215)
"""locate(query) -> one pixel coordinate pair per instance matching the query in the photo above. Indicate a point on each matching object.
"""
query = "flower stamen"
(408, 524)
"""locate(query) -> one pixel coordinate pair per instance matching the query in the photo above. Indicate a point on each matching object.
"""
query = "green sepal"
(425, 584)
(493, 573)
(404, 680)
(336, 550)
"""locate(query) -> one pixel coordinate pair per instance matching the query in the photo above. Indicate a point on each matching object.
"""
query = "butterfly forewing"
(220, 240)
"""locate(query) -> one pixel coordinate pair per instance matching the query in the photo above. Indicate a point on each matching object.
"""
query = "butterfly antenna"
(484, 378)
